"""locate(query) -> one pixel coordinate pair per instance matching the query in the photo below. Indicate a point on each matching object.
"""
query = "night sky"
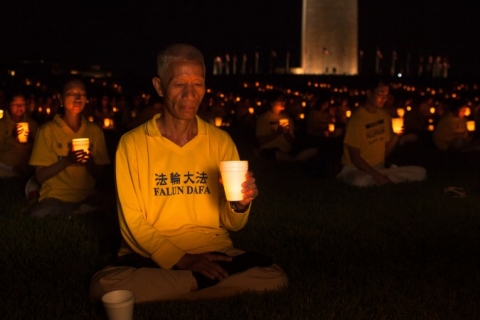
(127, 35)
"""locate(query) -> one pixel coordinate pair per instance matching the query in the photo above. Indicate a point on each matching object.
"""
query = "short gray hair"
(175, 52)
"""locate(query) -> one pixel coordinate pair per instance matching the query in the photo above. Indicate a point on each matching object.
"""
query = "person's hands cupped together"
(204, 263)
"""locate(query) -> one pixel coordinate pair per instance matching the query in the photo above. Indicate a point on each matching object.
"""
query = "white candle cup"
(22, 137)
(119, 304)
(471, 125)
(283, 122)
(81, 144)
(218, 121)
(397, 125)
(233, 175)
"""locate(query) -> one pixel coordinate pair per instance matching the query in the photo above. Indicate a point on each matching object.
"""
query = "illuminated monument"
(329, 37)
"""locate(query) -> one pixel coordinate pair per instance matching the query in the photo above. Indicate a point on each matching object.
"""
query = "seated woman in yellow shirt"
(451, 132)
(14, 154)
(68, 177)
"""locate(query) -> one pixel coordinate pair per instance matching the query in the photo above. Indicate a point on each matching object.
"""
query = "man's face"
(183, 89)
(278, 106)
(379, 96)
(18, 106)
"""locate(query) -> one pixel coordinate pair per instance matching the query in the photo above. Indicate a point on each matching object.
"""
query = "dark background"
(124, 36)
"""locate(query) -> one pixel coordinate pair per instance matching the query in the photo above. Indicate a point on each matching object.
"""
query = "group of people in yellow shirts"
(175, 242)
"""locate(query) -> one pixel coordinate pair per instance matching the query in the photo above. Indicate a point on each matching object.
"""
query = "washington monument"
(329, 37)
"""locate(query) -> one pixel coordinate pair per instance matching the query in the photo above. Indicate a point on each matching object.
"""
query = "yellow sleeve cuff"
(167, 256)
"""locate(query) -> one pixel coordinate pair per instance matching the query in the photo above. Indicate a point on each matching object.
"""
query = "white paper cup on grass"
(233, 175)
(81, 144)
(119, 304)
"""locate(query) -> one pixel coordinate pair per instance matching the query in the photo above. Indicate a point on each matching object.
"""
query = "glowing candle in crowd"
(409, 108)
(48, 110)
(468, 112)
(106, 123)
(302, 116)
(81, 144)
(401, 112)
(431, 127)
(90, 119)
(1, 114)
(331, 127)
(397, 124)
(22, 137)
(432, 110)
(283, 122)
(348, 113)
(251, 110)
(218, 121)
(471, 125)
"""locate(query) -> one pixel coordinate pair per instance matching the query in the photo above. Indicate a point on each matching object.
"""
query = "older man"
(173, 214)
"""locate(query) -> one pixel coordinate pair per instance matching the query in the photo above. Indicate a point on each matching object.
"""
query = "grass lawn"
(398, 252)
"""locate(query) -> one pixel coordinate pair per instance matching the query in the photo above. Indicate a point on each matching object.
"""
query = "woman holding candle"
(16, 141)
(451, 132)
(276, 139)
(68, 177)
(319, 118)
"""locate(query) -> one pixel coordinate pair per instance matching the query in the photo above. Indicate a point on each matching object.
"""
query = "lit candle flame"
(471, 125)
(397, 125)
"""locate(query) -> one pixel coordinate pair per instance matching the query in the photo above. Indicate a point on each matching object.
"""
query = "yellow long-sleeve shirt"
(52, 143)
(170, 200)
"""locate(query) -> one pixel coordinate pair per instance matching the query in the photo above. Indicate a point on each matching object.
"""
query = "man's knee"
(276, 277)
(357, 179)
(107, 280)
(264, 278)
